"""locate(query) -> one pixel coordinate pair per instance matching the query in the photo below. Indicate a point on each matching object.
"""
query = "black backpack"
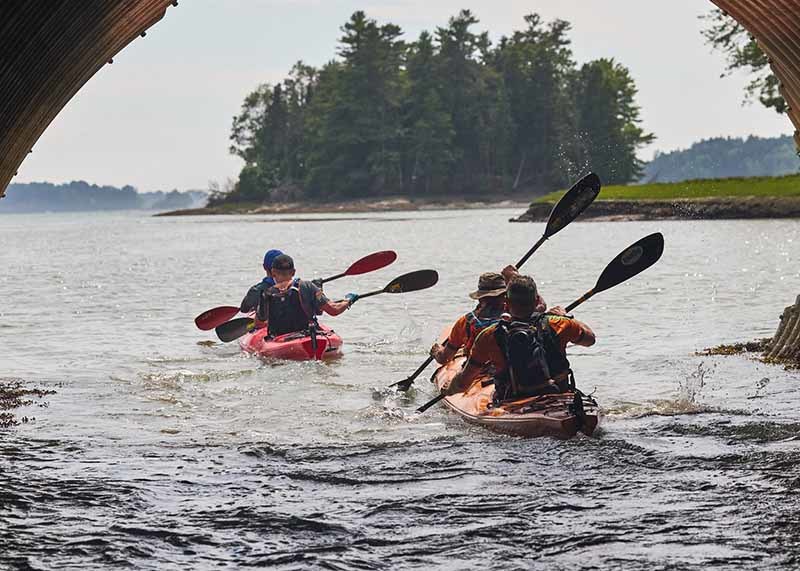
(533, 358)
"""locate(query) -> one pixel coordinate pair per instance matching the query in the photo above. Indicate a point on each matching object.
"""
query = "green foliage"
(743, 53)
(608, 121)
(714, 188)
(726, 157)
(447, 113)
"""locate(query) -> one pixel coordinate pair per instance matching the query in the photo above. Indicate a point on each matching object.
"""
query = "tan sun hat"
(490, 284)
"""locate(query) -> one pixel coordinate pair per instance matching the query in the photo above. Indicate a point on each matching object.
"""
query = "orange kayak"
(293, 346)
(561, 415)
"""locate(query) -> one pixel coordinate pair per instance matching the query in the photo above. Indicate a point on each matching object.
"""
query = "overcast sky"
(159, 117)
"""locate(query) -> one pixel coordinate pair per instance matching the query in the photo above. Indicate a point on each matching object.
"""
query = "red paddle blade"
(371, 263)
(214, 317)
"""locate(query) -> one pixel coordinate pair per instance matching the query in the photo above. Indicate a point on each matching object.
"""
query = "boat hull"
(561, 415)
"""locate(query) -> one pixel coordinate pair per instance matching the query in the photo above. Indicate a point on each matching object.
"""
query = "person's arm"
(335, 308)
(586, 337)
(463, 379)
(444, 354)
(456, 340)
(250, 301)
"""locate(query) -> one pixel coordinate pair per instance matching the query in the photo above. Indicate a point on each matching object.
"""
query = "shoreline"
(724, 208)
(387, 204)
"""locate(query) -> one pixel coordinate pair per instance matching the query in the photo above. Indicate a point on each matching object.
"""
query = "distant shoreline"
(383, 204)
(722, 208)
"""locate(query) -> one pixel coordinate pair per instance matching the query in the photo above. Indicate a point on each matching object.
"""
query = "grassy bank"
(766, 187)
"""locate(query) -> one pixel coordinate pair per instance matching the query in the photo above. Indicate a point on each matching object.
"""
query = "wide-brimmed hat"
(490, 284)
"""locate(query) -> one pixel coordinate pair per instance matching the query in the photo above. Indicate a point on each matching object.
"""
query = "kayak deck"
(560, 415)
(293, 346)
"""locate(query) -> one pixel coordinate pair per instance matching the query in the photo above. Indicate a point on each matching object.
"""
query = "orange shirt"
(485, 350)
(458, 333)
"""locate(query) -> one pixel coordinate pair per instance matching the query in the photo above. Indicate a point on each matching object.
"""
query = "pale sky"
(160, 116)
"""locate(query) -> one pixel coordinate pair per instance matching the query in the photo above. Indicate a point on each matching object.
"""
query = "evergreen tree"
(536, 64)
(608, 119)
(357, 121)
(449, 113)
(428, 127)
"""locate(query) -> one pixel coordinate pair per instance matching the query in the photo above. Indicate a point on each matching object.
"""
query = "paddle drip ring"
(631, 255)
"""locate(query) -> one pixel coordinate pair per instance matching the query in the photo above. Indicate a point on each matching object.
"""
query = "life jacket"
(283, 310)
(533, 357)
(475, 325)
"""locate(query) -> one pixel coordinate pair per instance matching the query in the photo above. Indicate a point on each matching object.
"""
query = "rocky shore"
(728, 208)
(389, 204)
(15, 394)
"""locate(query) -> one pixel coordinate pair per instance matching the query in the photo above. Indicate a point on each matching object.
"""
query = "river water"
(164, 450)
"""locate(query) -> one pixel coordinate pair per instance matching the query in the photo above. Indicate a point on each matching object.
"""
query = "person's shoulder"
(487, 332)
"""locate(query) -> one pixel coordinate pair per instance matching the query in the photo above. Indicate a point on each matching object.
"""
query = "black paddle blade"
(575, 201)
(415, 281)
(632, 261)
(234, 329)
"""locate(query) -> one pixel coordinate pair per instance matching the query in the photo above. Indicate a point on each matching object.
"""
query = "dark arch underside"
(50, 48)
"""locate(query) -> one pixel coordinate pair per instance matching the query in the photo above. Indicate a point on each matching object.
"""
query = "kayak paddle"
(568, 208)
(415, 281)
(235, 328)
(367, 264)
(213, 317)
(571, 205)
(632, 261)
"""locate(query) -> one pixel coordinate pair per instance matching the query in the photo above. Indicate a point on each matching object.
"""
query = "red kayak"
(293, 346)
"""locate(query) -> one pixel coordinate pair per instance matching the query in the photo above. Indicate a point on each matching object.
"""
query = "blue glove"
(351, 298)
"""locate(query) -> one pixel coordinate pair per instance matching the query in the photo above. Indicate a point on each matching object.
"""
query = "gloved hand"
(317, 282)
(351, 298)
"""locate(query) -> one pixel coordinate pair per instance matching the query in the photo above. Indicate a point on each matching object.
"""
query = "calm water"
(161, 452)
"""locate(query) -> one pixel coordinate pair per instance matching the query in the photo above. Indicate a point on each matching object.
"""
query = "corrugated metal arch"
(50, 48)
(775, 24)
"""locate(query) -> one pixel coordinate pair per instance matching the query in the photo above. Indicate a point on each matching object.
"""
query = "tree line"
(725, 158)
(80, 196)
(450, 112)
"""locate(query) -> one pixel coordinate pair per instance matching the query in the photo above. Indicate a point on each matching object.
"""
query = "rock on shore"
(727, 208)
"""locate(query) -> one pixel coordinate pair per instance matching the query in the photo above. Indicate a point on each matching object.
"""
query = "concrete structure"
(50, 48)
(785, 345)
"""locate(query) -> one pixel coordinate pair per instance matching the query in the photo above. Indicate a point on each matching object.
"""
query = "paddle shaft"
(336, 277)
(370, 294)
(530, 253)
(441, 396)
(577, 302)
(406, 383)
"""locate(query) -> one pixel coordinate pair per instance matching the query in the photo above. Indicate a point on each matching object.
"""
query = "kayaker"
(491, 298)
(250, 301)
(510, 272)
(292, 304)
(527, 351)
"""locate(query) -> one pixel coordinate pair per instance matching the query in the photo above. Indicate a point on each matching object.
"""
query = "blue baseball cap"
(269, 257)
